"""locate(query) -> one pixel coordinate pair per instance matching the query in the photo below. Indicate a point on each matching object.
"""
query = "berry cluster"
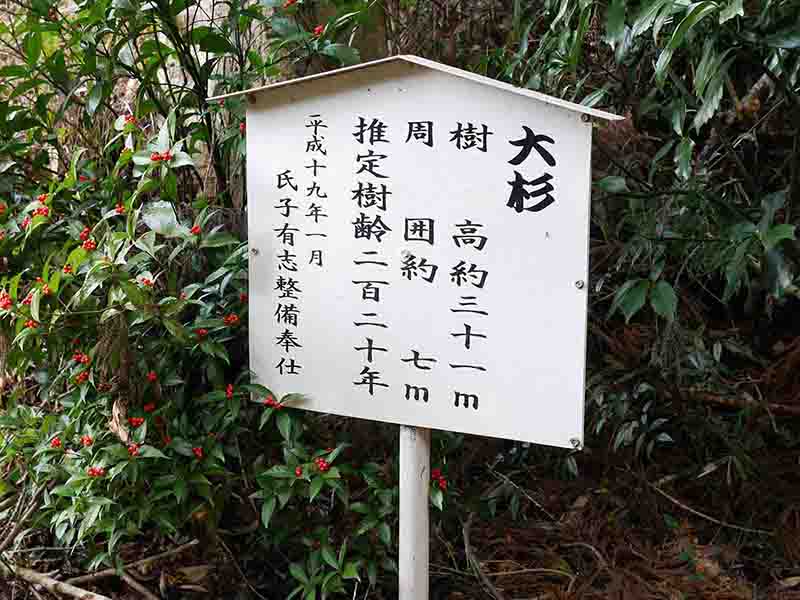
(84, 235)
(147, 282)
(196, 230)
(201, 333)
(229, 391)
(3, 208)
(120, 208)
(82, 358)
(130, 120)
(133, 450)
(198, 452)
(27, 299)
(25, 222)
(272, 403)
(135, 421)
(86, 441)
(42, 198)
(67, 269)
(55, 443)
(243, 298)
(46, 290)
(289, 3)
(149, 407)
(95, 471)
(231, 320)
(5, 300)
(436, 475)
(83, 178)
(323, 465)
(319, 30)
(31, 324)
(89, 245)
(82, 377)
(41, 211)
(161, 157)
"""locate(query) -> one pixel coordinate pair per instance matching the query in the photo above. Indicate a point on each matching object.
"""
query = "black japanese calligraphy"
(468, 335)
(370, 348)
(316, 258)
(372, 133)
(289, 367)
(417, 361)
(287, 287)
(369, 163)
(286, 234)
(369, 195)
(519, 194)
(421, 131)
(370, 379)
(285, 179)
(419, 230)
(469, 136)
(368, 228)
(531, 141)
(462, 274)
(288, 340)
(413, 267)
(287, 314)
(468, 235)
(371, 291)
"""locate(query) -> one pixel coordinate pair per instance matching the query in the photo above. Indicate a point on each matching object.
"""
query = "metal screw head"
(580, 284)
(576, 444)
(586, 118)
(255, 251)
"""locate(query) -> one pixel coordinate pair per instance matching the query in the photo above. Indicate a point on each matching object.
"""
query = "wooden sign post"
(419, 240)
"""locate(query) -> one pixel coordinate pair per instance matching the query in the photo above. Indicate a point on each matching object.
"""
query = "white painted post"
(415, 469)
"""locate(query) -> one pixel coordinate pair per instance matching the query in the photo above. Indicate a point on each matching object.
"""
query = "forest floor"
(612, 533)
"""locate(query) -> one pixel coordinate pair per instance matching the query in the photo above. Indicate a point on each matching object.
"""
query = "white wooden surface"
(415, 474)
(534, 352)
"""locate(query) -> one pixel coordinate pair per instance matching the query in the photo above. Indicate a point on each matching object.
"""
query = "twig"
(139, 563)
(603, 562)
(475, 563)
(146, 594)
(543, 571)
(54, 586)
(238, 568)
(708, 517)
(524, 493)
(21, 521)
(8, 502)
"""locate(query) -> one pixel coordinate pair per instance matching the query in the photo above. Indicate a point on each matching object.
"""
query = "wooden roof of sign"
(429, 64)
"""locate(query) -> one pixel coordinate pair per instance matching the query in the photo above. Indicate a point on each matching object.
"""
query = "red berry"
(25, 222)
(147, 282)
(120, 209)
(86, 440)
(319, 30)
(196, 230)
(155, 157)
(2, 208)
(56, 443)
(298, 471)
(167, 440)
(436, 474)
(89, 245)
(201, 333)
(288, 3)
(242, 127)
(442, 484)
(149, 407)
(152, 377)
(198, 452)
(135, 421)
(42, 198)
(231, 320)
(67, 269)
(31, 324)
(5, 300)
(229, 391)
(133, 449)
(84, 235)
(243, 298)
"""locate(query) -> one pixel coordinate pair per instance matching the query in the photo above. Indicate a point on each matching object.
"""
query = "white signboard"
(419, 251)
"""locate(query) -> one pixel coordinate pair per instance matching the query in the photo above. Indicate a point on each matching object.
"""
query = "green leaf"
(297, 571)
(615, 22)
(613, 184)
(160, 217)
(33, 47)
(216, 240)
(267, 510)
(699, 11)
(646, 17)
(385, 534)
(215, 44)
(344, 54)
(788, 38)
(683, 158)
(315, 487)
(95, 97)
(630, 298)
(35, 299)
(664, 301)
(284, 422)
(733, 9)
(350, 571)
(777, 234)
(329, 557)
(437, 498)
(151, 452)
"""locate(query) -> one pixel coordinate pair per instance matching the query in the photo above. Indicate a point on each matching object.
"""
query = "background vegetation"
(129, 422)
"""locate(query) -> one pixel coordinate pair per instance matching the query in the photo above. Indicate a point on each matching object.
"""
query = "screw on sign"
(449, 260)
